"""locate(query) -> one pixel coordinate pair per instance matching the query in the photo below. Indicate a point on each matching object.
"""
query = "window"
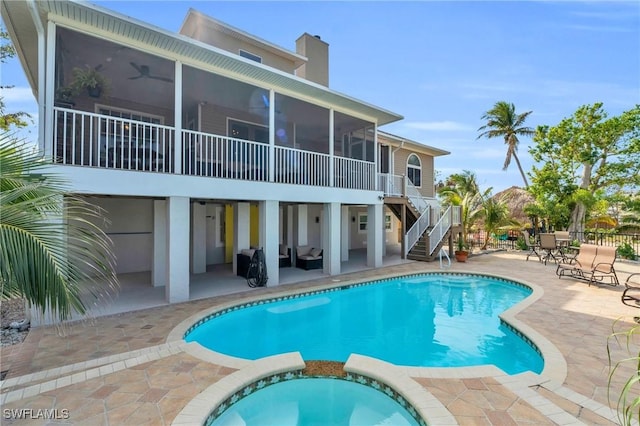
(362, 223)
(414, 170)
(387, 222)
(250, 55)
(248, 131)
(122, 130)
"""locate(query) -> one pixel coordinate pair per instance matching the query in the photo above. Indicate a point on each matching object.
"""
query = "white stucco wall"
(131, 231)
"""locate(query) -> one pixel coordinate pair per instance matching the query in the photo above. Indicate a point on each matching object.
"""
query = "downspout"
(33, 9)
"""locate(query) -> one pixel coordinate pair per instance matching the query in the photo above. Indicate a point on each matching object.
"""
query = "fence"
(508, 240)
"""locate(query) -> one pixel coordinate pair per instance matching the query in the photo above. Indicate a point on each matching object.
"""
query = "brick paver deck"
(121, 370)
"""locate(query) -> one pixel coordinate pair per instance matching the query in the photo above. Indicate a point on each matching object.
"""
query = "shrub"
(625, 251)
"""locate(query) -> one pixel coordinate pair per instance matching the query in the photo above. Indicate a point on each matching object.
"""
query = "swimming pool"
(316, 401)
(429, 320)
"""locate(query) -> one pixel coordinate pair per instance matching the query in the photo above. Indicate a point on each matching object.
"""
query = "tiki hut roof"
(516, 199)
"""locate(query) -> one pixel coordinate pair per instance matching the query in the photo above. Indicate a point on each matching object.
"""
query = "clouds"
(18, 95)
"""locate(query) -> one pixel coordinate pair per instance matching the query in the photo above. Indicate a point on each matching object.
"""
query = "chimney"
(317, 52)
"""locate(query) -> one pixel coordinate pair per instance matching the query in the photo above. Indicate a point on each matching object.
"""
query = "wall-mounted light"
(380, 197)
(317, 219)
(353, 218)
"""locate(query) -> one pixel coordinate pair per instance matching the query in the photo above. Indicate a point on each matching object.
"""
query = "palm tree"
(52, 251)
(496, 215)
(463, 191)
(503, 121)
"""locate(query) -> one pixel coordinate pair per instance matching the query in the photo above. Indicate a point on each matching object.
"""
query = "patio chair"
(603, 266)
(531, 246)
(631, 293)
(592, 264)
(549, 247)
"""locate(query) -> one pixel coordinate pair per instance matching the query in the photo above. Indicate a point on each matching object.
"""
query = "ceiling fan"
(144, 73)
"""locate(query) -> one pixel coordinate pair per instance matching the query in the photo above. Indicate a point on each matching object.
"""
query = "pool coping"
(553, 374)
(203, 407)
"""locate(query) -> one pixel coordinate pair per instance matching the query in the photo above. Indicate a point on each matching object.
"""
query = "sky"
(440, 64)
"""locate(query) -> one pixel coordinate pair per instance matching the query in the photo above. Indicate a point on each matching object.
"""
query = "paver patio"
(121, 370)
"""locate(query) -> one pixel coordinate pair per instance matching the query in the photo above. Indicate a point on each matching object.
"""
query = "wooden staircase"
(420, 251)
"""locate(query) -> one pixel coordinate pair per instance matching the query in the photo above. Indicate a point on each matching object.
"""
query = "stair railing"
(390, 185)
(439, 230)
(415, 198)
(443, 253)
(415, 232)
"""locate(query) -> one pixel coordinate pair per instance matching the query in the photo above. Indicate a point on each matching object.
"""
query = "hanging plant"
(89, 79)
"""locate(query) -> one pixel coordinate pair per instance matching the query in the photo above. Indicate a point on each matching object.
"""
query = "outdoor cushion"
(248, 252)
(315, 252)
(303, 250)
(283, 249)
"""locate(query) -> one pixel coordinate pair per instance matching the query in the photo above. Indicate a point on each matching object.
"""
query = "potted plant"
(89, 79)
(462, 251)
(64, 96)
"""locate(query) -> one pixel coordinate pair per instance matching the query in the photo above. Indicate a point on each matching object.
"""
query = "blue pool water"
(438, 320)
(316, 401)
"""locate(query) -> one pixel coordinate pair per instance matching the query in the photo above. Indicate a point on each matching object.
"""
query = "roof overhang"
(84, 16)
(397, 141)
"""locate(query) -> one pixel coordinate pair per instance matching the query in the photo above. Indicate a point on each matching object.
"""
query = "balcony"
(95, 140)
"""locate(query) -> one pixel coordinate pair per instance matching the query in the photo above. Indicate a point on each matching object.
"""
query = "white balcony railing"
(301, 167)
(97, 140)
(354, 174)
(223, 157)
(391, 185)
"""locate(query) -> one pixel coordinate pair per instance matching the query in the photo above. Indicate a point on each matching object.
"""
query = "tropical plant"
(462, 246)
(53, 253)
(496, 215)
(628, 402)
(504, 122)
(90, 79)
(462, 190)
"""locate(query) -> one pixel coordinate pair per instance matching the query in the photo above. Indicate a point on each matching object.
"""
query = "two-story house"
(203, 143)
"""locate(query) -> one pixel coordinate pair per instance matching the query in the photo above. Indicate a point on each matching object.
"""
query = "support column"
(199, 238)
(303, 226)
(177, 266)
(290, 241)
(269, 238)
(160, 243)
(241, 234)
(331, 238)
(345, 226)
(374, 236)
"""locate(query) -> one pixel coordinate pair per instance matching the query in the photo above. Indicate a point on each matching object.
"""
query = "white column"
(374, 236)
(290, 241)
(331, 238)
(158, 272)
(303, 226)
(199, 238)
(346, 234)
(269, 238)
(47, 143)
(241, 234)
(177, 107)
(383, 231)
(272, 135)
(331, 150)
(177, 266)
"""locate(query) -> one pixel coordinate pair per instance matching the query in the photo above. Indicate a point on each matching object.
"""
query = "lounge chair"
(531, 246)
(592, 264)
(308, 257)
(631, 293)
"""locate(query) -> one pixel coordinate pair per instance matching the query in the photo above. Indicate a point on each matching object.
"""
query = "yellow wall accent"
(254, 227)
(228, 233)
